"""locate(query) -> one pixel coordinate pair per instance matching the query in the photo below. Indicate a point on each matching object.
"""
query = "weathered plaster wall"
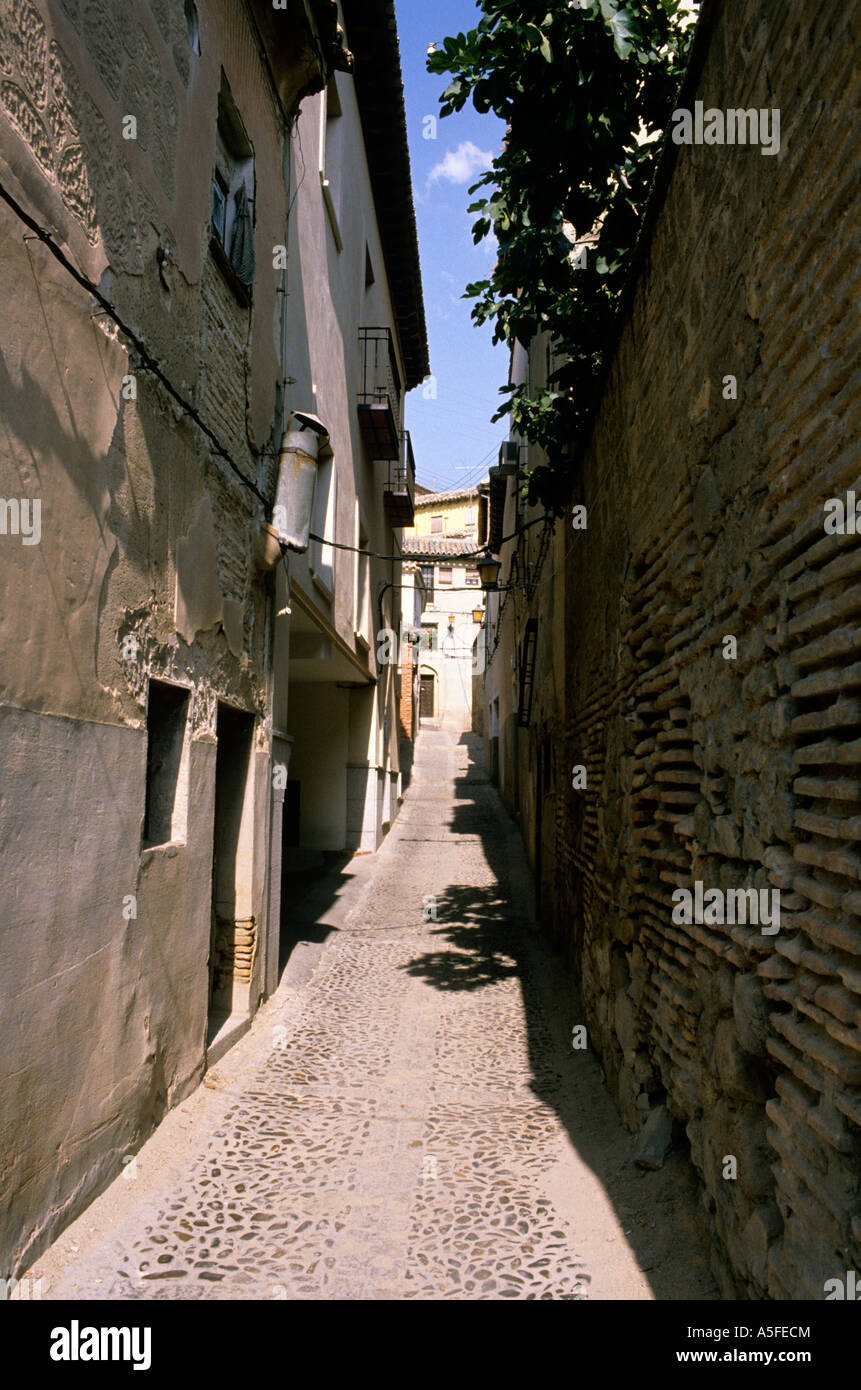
(705, 519)
(327, 303)
(327, 306)
(143, 536)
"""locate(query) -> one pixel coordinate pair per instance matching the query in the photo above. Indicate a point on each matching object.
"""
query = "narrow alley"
(407, 1116)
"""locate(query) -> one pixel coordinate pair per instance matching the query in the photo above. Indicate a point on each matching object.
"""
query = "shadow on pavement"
(495, 936)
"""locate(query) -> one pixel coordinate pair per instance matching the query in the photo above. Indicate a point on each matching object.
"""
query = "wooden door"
(426, 709)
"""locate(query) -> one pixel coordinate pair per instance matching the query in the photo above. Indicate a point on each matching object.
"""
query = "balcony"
(380, 397)
(400, 490)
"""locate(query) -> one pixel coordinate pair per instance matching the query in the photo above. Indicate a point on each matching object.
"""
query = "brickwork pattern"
(406, 713)
(706, 519)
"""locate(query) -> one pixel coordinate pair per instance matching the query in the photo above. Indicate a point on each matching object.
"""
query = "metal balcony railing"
(399, 496)
(379, 400)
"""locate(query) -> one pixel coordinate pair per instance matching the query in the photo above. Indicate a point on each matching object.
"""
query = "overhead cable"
(147, 360)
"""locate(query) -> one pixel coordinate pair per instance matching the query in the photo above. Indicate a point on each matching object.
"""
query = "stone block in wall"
(750, 1014)
(655, 1139)
(639, 967)
(761, 1230)
(706, 508)
(751, 1147)
(741, 1076)
(625, 1022)
(629, 1095)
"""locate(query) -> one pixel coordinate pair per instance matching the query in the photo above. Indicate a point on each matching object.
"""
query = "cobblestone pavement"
(411, 1122)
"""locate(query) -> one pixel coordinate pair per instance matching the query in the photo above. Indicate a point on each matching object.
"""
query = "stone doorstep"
(231, 1028)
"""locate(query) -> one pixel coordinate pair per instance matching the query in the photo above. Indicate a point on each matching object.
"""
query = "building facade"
(520, 698)
(148, 665)
(355, 319)
(441, 550)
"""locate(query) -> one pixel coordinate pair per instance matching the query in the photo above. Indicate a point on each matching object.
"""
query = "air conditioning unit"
(509, 458)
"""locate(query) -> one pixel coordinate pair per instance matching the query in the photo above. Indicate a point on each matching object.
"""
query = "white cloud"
(458, 166)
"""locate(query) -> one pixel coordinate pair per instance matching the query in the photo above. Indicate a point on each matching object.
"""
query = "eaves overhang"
(373, 38)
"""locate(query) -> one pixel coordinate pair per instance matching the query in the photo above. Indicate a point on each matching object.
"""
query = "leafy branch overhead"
(585, 89)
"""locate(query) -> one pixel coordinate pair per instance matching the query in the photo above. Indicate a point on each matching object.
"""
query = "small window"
(472, 578)
(362, 582)
(166, 764)
(232, 222)
(429, 639)
(444, 576)
(436, 525)
(192, 27)
(323, 514)
(427, 577)
(219, 206)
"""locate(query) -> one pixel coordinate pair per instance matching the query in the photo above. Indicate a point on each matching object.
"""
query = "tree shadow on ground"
(478, 934)
(489, 935)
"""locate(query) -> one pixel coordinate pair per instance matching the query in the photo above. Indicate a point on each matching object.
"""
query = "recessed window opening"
(166, 812)
(233, 190)
(192, 27)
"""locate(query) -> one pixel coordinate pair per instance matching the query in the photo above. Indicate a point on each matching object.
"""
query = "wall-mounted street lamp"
(488, 572)
(478, 615)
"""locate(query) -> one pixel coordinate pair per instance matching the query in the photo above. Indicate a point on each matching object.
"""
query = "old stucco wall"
(328, 301)
(705, 519)
(143, 536)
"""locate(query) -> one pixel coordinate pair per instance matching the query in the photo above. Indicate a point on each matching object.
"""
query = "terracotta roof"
(450, 547)
(372, 35)
(434, 499)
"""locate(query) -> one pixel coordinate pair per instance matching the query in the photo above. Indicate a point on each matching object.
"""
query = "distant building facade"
(442, 549)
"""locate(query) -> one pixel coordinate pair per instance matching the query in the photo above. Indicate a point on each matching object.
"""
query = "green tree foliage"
(585, 87)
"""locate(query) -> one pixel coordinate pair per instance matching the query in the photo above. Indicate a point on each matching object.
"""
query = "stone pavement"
(406, 1117)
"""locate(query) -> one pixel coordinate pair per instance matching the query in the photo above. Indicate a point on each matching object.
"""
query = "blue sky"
(453, 440)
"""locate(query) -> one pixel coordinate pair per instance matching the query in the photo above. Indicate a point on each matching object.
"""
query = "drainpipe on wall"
(275, 797)
(305, 442)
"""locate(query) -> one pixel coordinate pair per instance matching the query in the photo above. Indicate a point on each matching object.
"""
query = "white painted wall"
(319, 724)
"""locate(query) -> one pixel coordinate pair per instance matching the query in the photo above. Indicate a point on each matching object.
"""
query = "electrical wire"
(146, 359)
(469, 589)
(473, 474)
(431, 558)
(150, 364)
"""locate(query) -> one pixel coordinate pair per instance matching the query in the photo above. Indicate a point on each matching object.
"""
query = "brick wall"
(706, 521)
(406, 713)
